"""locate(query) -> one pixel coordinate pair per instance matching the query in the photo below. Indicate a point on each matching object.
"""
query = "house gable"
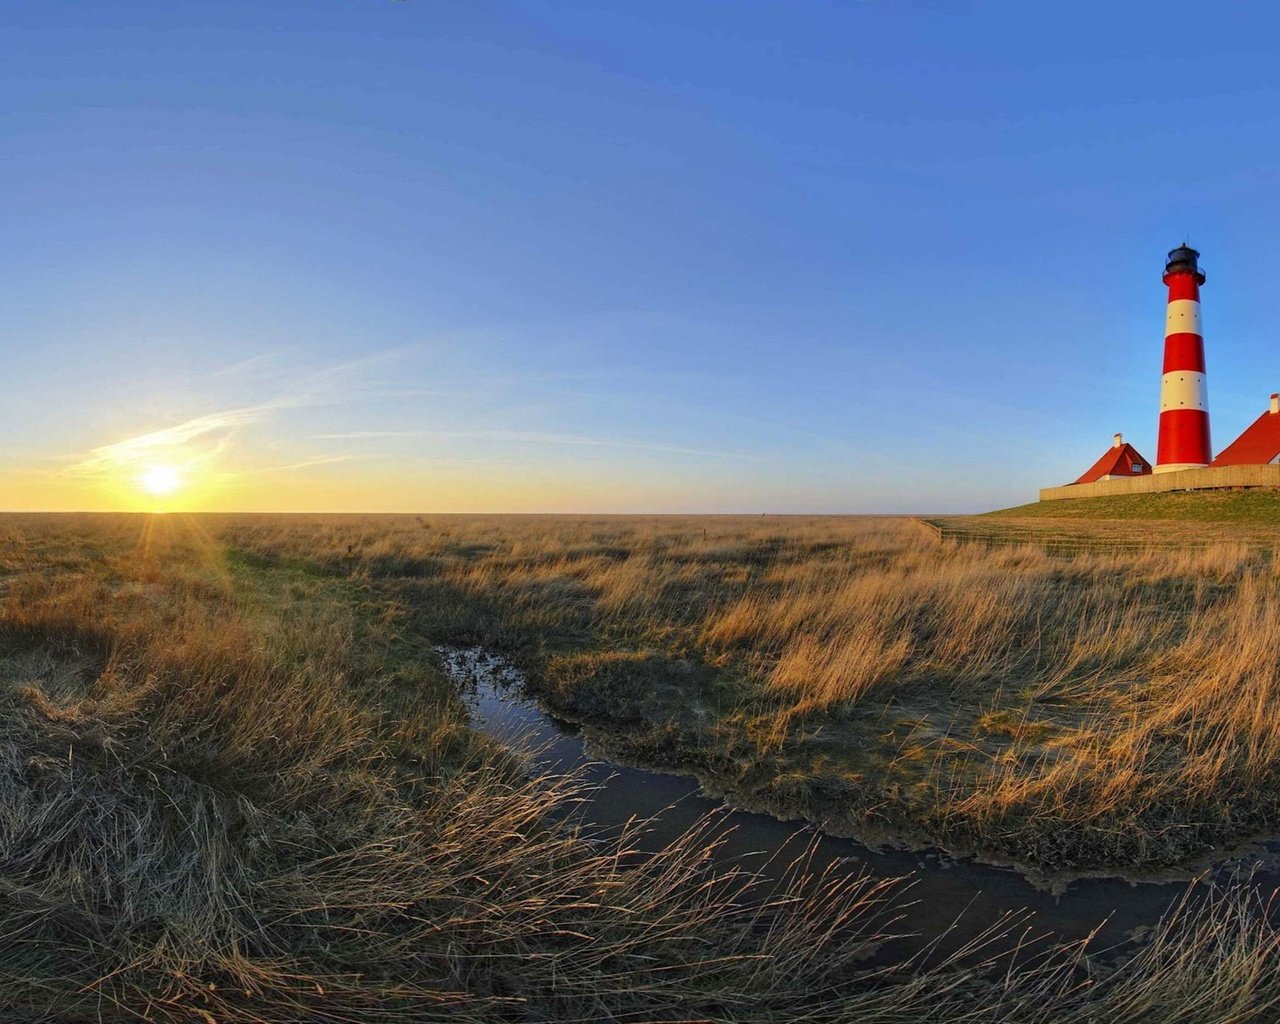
(1118, 461)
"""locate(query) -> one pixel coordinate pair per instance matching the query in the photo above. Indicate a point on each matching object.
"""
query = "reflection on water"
(943, 891)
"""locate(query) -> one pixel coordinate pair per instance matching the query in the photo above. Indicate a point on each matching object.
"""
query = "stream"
(961, 894)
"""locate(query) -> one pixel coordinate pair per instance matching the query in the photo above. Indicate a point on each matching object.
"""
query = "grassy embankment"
(235, 789)
(1246, 508)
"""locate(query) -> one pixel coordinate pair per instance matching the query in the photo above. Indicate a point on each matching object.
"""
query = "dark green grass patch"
(1251, 507)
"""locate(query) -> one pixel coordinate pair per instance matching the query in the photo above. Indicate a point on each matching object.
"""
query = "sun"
(160, 480)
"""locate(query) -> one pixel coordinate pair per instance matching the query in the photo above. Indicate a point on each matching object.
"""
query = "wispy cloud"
(319, 460)
(195, 440)
(203, 438)
(252, 366)
(538, 437)
(354, 435)
(202, 443)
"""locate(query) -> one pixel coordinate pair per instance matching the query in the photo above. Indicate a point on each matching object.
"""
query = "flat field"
(235, 784)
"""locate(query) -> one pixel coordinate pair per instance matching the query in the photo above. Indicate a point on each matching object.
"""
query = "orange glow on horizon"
(195, 467)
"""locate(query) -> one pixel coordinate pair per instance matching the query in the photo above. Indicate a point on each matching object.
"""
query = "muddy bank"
(652, 712)
(831, 817)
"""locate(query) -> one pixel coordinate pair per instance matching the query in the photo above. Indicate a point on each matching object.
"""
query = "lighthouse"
(1184, 400)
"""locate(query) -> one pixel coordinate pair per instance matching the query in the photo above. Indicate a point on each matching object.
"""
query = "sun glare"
(160, 480)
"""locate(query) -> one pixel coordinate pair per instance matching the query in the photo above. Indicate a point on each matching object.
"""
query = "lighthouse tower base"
(1178, 467)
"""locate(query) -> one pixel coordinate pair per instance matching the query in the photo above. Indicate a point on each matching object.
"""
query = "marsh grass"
(849, 669)
(235, 787)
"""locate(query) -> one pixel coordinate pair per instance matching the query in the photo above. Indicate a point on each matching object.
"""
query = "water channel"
(964, 894)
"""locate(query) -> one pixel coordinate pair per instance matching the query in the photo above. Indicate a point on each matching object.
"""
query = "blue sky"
(696, 256)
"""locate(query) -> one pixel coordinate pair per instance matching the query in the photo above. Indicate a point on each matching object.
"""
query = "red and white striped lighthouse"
(1184, 398)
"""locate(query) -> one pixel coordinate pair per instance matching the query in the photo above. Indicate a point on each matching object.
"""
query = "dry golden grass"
(1143, 675)
(234, 786)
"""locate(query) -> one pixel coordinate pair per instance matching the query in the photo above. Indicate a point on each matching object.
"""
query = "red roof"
(1257, 446)
(1116, 462)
